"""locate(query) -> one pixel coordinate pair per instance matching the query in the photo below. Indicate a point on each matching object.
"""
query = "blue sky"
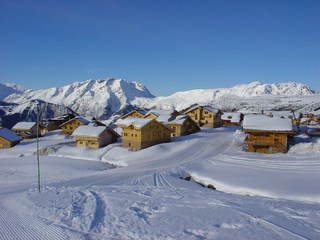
(168, 45)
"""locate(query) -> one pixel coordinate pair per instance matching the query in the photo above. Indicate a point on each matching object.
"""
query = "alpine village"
(266, 132)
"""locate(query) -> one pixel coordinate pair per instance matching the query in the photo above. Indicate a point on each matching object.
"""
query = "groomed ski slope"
(113, 193)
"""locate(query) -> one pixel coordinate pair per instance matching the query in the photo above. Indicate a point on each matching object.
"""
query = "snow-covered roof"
(232, 116)
(286, 114)
(211, 109)
(179, 119)
(208, 108)
(158, 112)
(59, 118)
(79, 118)
(266, 123)
(142, 112)
(164, 118)
(89, 131)
(85, 120)
(9, 135)
(137, 122)
(24, 125)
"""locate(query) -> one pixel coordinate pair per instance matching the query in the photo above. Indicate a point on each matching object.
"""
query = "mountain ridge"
(91, 97)
(110, 98)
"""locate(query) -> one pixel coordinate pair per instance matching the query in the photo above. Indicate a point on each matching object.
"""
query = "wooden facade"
(105, 137)
(180, 124)
(205, 116)
(70, 126)
(231, 119)
(184, 127)
(55, 123)
(144, 133)
(162, 115)
(268, 141)
(8, 138)
(27, 130)
(267, 134)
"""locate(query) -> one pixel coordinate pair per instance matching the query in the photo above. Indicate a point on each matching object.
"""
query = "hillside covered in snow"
(111, 98)
(99, 98)
(252, 97)
(158, 192)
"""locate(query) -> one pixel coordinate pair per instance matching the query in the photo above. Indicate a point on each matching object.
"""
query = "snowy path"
(146, 199)
(167, 159)
(19, 225)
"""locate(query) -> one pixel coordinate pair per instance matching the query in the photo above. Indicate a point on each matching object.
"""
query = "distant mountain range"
(110, 98)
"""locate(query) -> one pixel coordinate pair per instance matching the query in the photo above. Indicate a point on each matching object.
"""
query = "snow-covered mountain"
(258, 89)
(100, 98)
(11, 113)
(110, 98)
(7, 89)
(244, 97)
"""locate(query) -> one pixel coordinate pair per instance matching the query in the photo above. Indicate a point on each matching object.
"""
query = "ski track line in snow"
(15, 227)
(162, 163)
(99, 213)
(290, 226)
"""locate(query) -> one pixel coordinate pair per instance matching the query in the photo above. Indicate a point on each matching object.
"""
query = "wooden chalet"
(205, 116)
(162, 115)
(94, 136)
(180, 124)
(27, 130)
(267, 134)
(140, 133)
(70, 126)
(55, 123)
(231, 119)
(8, 138)
(134, 113)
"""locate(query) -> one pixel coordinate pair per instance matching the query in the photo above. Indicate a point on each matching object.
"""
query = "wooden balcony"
(259, 141)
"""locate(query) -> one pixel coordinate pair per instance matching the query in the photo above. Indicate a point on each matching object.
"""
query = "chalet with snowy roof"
(55, 123)
(8, 138)
(161, 115)
(267, 134)
(94, 136)
(27, 130)
(140, 133)
(134, 113)
(180, 124)
(312, 118)
(205, 116)
(231, 118)
(70, 126)
(282, 114)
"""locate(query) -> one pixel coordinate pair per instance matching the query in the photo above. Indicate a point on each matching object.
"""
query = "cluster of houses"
(140, 129)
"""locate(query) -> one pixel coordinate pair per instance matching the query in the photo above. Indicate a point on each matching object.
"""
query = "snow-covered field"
(113, 193)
